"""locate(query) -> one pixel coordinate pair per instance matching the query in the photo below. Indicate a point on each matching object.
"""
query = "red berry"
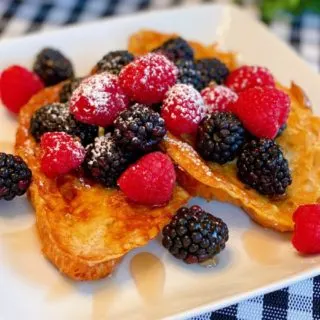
(247, 77)
(306, 235)
(183, 109)
(218, 98)
(148, 78)
(150, 180)
(262, 110)
(60, 153)
(17, 86)
(98, 100)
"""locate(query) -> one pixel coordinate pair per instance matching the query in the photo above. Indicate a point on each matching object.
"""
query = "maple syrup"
(148, 273)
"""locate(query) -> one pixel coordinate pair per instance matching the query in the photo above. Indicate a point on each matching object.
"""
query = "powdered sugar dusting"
(98, 99)
(249, 76)
(192, 155)
(218, 98)
(60, 153)
(148, 77)
(185, 102)
(102, 145)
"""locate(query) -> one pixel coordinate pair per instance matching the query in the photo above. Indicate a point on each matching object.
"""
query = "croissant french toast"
(300, 143)
(85, 228)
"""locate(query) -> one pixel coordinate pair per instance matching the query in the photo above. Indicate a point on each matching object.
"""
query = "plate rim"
(224, 302)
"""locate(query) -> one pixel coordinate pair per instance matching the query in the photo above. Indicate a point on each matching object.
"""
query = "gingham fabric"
(298, 302)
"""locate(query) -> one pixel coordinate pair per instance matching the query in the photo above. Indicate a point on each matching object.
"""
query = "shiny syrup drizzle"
(263, 247)
(6, 146)
(102, 299)
(148, 273)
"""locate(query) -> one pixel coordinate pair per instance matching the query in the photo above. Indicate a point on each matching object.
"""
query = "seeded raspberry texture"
(306, 235)
(183, 109)
(148, 78)
(150, 180)
(247, 77)
(60, 153)
(98, 100)
(17, 86)
(263, 110)
(218, 98)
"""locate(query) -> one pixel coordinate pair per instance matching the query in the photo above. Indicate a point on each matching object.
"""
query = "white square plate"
(255, 261)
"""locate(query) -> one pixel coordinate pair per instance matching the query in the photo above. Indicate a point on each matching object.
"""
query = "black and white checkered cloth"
(297, 302)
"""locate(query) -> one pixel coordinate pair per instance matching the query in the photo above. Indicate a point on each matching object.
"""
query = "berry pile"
(194, 235)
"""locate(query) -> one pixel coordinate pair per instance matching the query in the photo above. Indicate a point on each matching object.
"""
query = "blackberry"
(56, 117)
(220, 137)
(114, 61)
(52, 66)
(15, 176)
(105, 161)
(194, 235)
(139, 128)
(211, 70)
(262, 166)
(67, 89)
(176, 49)
(188, 74)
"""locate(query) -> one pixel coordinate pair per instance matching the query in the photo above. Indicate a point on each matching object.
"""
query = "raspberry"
(98, 100)
(263, 110)
(247, 77)
(17, 86)
(148, 78)
(218, 98)
(150, 180)
(60, 153)
(306, 236)
(183, 109)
